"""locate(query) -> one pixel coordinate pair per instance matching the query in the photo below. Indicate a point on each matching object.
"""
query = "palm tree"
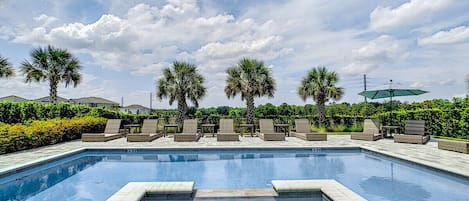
(320, 85)
(5, 68)
(181, 81)
(53, 65)
(250, 78)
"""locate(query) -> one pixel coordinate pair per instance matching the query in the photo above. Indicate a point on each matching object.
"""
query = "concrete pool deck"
(428, 154)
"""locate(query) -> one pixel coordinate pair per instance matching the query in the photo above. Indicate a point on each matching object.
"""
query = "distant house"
(13, 99)
(48, 99)
(95, 102)
(135, 109)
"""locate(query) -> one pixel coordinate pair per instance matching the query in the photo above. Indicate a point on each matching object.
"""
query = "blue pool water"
(96, 175)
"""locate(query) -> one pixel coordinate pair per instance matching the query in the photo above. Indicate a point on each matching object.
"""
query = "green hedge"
(16, 137)
(447, 123)
(11, 113)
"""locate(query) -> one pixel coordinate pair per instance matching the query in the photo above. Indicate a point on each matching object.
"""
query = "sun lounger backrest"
(302, 126)
(415, 127)
(190, 126)
(266, 126)
(226, 126)
(150, 126)
(369, 127)
(113, 126)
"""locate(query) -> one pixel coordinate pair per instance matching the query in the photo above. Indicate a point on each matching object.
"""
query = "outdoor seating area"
(414, 132)
(227, 131)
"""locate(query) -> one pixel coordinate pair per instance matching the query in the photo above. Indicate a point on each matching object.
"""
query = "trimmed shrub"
(16, 137)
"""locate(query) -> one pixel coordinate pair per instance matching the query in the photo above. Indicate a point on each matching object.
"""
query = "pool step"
(331, 189)
(136, 191)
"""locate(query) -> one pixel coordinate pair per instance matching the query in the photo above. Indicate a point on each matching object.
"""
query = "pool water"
(96, 175)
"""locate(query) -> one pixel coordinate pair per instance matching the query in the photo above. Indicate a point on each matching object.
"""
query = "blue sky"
(124, 45)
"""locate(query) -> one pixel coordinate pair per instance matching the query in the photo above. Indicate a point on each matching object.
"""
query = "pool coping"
(32, 164)
(329, 189)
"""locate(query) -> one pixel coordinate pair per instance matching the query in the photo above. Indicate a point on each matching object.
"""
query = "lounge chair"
(111, 132)
(303, 131)
(226, 131)
(149, 132)
(370, 132)
(189, 133)
(414, 133)
(267, 132)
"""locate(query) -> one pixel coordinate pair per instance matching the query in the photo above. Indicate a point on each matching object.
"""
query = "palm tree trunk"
(53, 91)
(322, 113)
(182, 108)
(250, 109)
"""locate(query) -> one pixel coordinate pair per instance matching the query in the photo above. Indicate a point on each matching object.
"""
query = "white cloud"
(117, 42)
(45, 20)
(455, 35)
(410, 13)
(383, 49)
(357, 68)
(378, 52)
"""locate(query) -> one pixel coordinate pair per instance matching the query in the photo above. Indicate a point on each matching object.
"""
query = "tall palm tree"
(180, 82)
(250, 78)
(319, 84)
(5, 68)
(54, 65)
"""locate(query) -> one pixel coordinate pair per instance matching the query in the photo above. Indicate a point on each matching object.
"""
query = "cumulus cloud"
(455, 35)
(149, 37)
(382, 50)
(410, 13)
(356, 68)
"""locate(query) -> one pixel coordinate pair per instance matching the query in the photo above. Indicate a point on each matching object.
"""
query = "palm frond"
(181, 81)
(320, 84)
(6, 69)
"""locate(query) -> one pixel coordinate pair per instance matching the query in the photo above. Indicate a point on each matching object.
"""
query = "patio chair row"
(190, 132)
(414, 133)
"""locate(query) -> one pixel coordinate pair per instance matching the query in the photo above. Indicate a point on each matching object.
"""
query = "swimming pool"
(97, 174)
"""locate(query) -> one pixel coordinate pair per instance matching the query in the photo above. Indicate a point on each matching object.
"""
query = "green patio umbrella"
(391, 92)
